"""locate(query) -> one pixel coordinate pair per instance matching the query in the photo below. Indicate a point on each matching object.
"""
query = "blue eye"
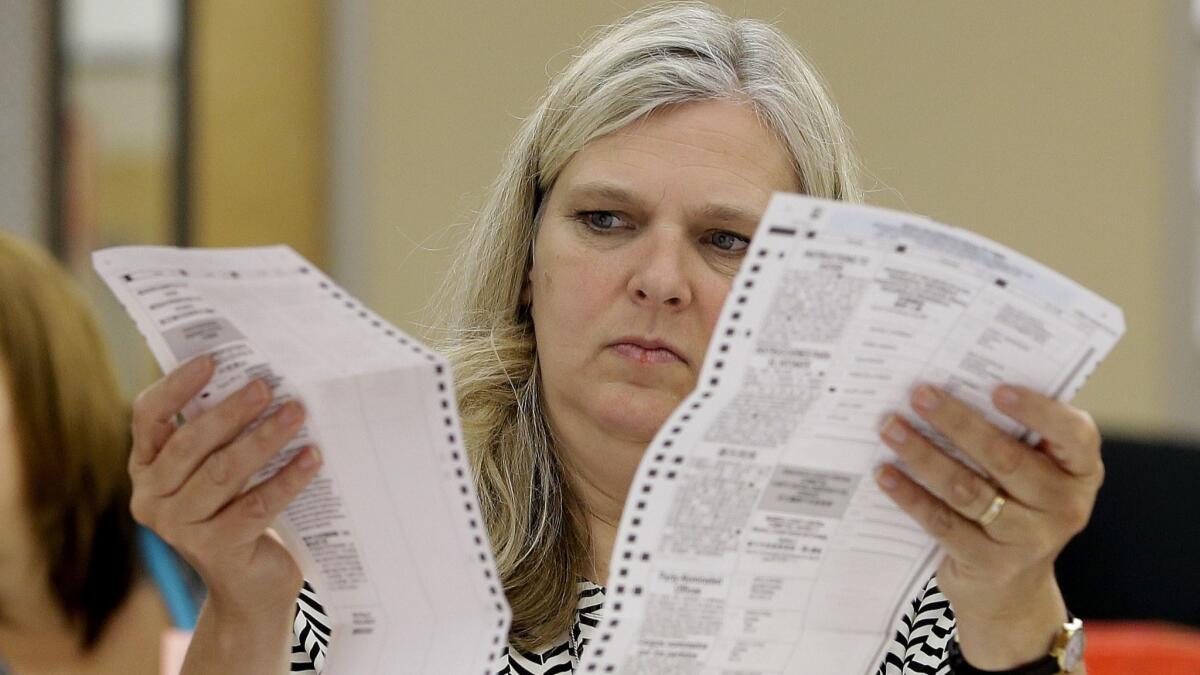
(728, 241)
(599, 220)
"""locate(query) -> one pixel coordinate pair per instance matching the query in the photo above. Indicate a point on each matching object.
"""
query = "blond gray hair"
(666, 54)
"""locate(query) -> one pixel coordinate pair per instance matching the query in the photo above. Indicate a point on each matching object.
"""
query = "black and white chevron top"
(918, 646)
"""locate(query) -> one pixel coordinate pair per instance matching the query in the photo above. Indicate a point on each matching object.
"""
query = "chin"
(635, 413)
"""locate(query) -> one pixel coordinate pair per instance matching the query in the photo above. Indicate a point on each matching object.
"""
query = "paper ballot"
(754, 539)
(389, 531)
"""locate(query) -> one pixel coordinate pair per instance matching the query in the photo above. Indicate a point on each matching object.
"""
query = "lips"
(647, 350)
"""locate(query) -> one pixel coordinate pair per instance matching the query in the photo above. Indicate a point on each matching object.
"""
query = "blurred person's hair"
(664, 55)
(72, 434)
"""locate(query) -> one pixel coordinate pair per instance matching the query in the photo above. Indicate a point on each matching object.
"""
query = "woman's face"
(639, 241)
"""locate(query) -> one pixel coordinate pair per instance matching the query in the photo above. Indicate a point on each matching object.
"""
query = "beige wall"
(258, 124)
(1039, 124)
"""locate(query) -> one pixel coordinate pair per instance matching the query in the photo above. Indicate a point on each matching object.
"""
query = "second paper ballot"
(389, 532)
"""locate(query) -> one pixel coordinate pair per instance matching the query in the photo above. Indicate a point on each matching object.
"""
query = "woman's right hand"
(188, 485)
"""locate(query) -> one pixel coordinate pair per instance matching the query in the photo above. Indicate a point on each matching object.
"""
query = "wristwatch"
(1065, 655)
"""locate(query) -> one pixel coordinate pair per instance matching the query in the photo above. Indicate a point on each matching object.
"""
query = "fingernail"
(1007, 397)
(926, 398)
(197, 366)
(309, 458)
(290, 414)
(895, 431)
(885, 478)
(257, 392)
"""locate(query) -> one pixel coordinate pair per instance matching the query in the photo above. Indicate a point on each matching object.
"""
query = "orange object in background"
(1130, 648)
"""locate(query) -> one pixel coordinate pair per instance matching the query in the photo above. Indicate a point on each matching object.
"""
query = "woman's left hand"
(998, 576)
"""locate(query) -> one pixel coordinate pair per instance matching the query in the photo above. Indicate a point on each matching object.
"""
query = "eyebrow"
(602, 190)
(729, 214)
(718, 212)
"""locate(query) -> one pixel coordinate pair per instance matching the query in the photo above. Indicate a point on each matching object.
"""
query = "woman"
(74, 595)
(577, 319)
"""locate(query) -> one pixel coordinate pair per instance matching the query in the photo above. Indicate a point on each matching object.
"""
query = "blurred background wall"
(24, 109)
(364, 133)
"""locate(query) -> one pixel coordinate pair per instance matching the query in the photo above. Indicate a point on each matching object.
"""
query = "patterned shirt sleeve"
(919, 645)
(310, 632)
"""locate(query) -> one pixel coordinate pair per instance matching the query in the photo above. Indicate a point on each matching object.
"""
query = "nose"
(660, 277)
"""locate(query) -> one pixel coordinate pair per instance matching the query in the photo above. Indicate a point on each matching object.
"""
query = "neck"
(36, 639)
(600, 472)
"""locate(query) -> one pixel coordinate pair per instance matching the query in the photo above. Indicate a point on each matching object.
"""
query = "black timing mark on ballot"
(789, 231)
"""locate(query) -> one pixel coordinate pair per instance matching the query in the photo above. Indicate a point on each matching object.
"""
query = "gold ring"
(993, 510)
